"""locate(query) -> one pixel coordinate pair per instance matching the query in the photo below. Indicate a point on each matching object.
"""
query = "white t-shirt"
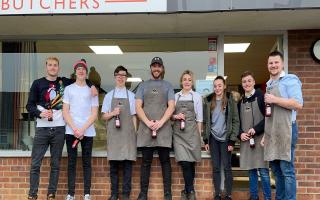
(80, 101)
(118, 93)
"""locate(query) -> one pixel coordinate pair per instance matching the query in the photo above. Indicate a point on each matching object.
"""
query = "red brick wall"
(307, 152)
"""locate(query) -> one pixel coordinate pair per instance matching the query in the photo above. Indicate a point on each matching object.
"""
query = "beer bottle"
(268, 110)
(117, 121)
(50, 119)
(154, 132)
(252, 142)
(182, 124)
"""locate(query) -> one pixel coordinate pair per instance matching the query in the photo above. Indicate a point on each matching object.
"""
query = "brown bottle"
(50, 118)
(117, 121)
(154, 133)
(182, 124)
(268, 110)
(252, 143)
(75, 143)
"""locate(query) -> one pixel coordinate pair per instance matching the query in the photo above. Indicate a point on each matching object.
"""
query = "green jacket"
(232, 119)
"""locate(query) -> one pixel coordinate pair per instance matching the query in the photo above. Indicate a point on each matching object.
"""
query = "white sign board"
(31, 7)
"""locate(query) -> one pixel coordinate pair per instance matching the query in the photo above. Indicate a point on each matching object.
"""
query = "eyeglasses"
(120, 75)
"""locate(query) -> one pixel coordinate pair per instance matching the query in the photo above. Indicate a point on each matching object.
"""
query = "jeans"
(147, 156)
(219, 153)
(188, 170)
(114, 176)
(45, 137)
(86, 147)
(284, 172)
(265, 182)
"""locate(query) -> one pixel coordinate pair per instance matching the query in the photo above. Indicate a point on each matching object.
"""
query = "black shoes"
(113, 197)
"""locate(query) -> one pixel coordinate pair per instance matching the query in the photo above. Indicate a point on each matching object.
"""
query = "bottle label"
(251, 141)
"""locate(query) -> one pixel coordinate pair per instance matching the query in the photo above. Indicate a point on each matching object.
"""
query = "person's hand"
(270, 98)
(116, 111)
(251, 132)
(77, 133)
(230, 148)
(244, 137)
(157, 125)
(206, 147)
(94, 91)
(46, 114)
(179, 116)
(262, 142)
(150, 124)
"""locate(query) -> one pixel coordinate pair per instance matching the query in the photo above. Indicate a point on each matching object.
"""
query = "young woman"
(222, 128)
(188, 117)
(251, 112)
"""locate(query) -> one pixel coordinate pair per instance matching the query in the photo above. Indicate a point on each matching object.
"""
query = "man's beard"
(157, 77)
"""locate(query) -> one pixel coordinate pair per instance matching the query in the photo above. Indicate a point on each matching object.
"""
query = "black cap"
(156, 60)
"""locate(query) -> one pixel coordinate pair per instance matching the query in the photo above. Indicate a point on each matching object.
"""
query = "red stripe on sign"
(114, 1)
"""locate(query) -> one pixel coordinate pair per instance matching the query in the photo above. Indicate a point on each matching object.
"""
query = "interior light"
(134, 79)
(212, 77)
(106, 49)
(236, 47)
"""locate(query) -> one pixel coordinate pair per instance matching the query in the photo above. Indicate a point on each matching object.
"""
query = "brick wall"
(307, 154)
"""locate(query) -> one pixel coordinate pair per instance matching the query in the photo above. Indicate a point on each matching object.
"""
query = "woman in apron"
(251, 111)
(187, 127)
(119, 112)
(222, 129)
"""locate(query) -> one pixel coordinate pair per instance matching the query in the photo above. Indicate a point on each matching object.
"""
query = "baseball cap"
(156, 60)
(80, 63)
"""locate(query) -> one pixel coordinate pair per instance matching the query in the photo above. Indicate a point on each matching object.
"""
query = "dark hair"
(247, 73)
(120, 68)
(276, 53)
(224, 97)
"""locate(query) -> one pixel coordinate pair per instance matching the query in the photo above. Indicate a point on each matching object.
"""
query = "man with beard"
(154, 105)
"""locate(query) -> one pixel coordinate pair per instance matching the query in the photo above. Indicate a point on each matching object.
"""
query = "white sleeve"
(66, 95)
(198, 108)
(132, 103)
(106, 105)
(94, 101)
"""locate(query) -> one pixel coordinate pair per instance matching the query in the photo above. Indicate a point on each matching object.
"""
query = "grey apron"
(278, 131)
(250, 117)
(186, 143)
(121, 142)
(155, 104)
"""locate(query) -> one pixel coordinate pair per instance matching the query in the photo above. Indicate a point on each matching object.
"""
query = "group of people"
(264, 123)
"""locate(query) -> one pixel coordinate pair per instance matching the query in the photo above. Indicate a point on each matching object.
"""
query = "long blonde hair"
(224, 96)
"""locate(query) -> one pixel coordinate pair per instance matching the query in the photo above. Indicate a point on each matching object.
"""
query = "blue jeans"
(265, 183)
(284, 172)
(46, 137)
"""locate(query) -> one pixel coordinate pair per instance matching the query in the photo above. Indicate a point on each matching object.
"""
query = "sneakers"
(192, 195)
(69, 197)
(184, 195)
(87, 197)
(51, 197)
(228, 198)
(217, 197)
(32, 197)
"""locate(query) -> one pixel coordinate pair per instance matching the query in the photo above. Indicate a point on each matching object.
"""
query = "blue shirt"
(290, 88)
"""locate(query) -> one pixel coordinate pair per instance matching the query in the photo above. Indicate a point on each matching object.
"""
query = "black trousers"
(188, 171)
(114, 174)
(45, 137)
(86, 148)
(220, 154)
(147, 156)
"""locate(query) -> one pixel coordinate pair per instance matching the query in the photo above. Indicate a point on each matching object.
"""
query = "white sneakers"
(69, 197)
(86, 197)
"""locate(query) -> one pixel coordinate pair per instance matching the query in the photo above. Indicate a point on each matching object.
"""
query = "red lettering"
(57, 2)
(72, 4)
(95, 4)
(16, 7)
(84, 2)
(43, 6)
(5, 5)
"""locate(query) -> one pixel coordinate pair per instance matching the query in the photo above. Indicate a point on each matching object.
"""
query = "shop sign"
(32, 7)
